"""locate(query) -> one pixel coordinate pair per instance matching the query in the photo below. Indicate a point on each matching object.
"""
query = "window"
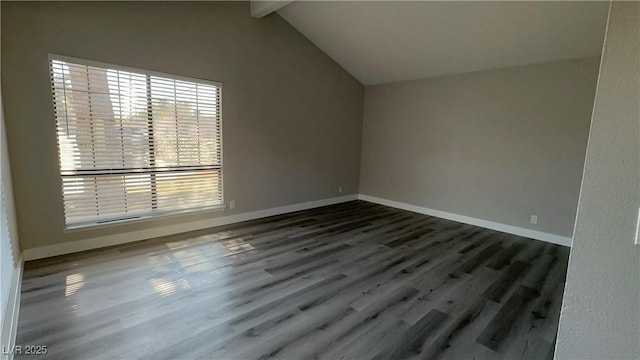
(134, 143)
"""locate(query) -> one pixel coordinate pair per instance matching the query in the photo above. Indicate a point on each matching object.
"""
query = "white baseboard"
(116, 239)
(122, 238)
(538, 235)
(10, 322)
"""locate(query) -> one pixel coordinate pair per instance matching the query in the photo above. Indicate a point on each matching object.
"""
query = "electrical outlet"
(340, 189)
(534, 219)
(637, 242)
(232, 204)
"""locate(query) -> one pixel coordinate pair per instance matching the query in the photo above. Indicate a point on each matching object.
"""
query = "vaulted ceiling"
(379, 42)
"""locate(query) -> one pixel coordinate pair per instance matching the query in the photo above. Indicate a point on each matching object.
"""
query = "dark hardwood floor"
(353, 281)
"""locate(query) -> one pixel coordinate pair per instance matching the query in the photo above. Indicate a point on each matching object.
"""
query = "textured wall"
(292, 116)
(495, 145)
(9, 246)
(600, 316)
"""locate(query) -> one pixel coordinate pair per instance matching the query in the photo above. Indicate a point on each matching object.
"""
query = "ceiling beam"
(263, 8)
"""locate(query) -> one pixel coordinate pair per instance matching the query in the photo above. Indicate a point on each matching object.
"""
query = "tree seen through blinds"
(133, 143)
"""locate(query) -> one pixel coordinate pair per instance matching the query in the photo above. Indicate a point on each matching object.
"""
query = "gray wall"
(600, 316)
(10, 261)
(292, 116)
(494, 145)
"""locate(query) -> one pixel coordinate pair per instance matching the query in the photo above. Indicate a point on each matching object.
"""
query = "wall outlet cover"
(637, 240)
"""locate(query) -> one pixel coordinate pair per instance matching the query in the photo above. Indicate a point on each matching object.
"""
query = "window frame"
(155, 214)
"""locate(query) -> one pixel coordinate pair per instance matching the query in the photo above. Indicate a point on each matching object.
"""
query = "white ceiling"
(379, 42)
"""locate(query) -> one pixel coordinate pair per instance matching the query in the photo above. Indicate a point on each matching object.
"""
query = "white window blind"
(134, 143)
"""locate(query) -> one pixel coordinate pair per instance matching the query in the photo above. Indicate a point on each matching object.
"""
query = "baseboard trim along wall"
(116, 239)
(10, 323)
(100, 242)
(538, 235)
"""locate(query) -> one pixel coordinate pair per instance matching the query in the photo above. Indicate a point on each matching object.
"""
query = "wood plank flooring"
(349, 281)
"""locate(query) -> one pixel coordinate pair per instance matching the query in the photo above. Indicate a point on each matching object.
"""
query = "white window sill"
(141, 218)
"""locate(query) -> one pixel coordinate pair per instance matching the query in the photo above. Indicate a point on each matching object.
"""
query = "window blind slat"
(134, 144)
